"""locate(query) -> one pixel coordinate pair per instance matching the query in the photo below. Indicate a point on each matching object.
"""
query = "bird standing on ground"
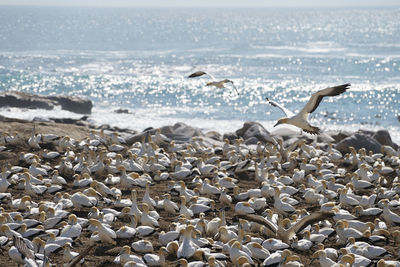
(300, 119)
(218, 84)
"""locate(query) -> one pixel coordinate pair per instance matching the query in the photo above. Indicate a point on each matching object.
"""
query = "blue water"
(139, 59)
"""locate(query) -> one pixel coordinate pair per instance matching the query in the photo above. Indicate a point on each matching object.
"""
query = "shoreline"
(289, 132)
(181, 140)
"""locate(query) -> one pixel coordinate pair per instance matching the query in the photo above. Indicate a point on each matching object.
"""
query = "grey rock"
(73, 104)
(81, 121)
(178, 132)
(251, 141)
(31, 101)
(325, 138)
(367, 132)
(338, 135)
(7, 119)
(240, 132)
(122, 111)
(135, 138)
(211, 142)
(255, 129)
(167, 130)
(230, 136)
(358, 141)
(214, 135)
(24, 100)
(383, 137)
(181, 128)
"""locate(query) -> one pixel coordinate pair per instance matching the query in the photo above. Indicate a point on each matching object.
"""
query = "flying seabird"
(218, 84)
(300, 119)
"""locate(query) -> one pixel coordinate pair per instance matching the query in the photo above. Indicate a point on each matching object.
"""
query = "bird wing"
(260, 220)
(287, 112)
(19, 243)
(229, 81)
(309, 219)
(201, 73)
(316, 98)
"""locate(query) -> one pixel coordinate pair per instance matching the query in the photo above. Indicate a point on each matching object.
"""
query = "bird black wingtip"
(196, 74)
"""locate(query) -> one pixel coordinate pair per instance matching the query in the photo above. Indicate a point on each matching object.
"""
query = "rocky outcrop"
(384, 138)
(178, 132)
(230, 136)
(338, 135)
(30, 101)
(122, 111)
(23, 100)
(252, 132)
(358, 140)
(73, 104)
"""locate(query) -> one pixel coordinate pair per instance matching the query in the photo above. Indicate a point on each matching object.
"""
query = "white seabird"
(218, 84)
(300, 119)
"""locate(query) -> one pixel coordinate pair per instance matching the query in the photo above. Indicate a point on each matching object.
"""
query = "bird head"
(281, 121)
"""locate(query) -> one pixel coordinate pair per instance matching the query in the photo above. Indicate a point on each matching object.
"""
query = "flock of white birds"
(226, 204)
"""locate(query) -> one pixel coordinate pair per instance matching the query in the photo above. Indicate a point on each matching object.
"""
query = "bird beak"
(277, 123)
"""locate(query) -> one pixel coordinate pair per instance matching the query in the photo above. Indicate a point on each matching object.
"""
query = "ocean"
(139, 59)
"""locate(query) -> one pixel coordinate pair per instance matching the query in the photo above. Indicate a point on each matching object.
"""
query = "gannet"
(106, 235)
(236, 252)
(147, 198)
(257, 251)
(156, 260)
(384, 263)
(324, 260)
(388, 215)
(225, 199)
(300, 119)
(302, 244)
(34, 140)
(243, 207)
(4, 184)
(69, 255)
(168, 205)
(142, 230)
(218, 84)
(73, 229)
(188, 213)
(187, 247)
(273, 244)
(142, 246)
(167, 237)
(81, 200)
(225, 235)
(281, 206)
(146, 219)
(125, 256)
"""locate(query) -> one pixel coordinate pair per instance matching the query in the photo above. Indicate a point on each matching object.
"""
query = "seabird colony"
(195, 204)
